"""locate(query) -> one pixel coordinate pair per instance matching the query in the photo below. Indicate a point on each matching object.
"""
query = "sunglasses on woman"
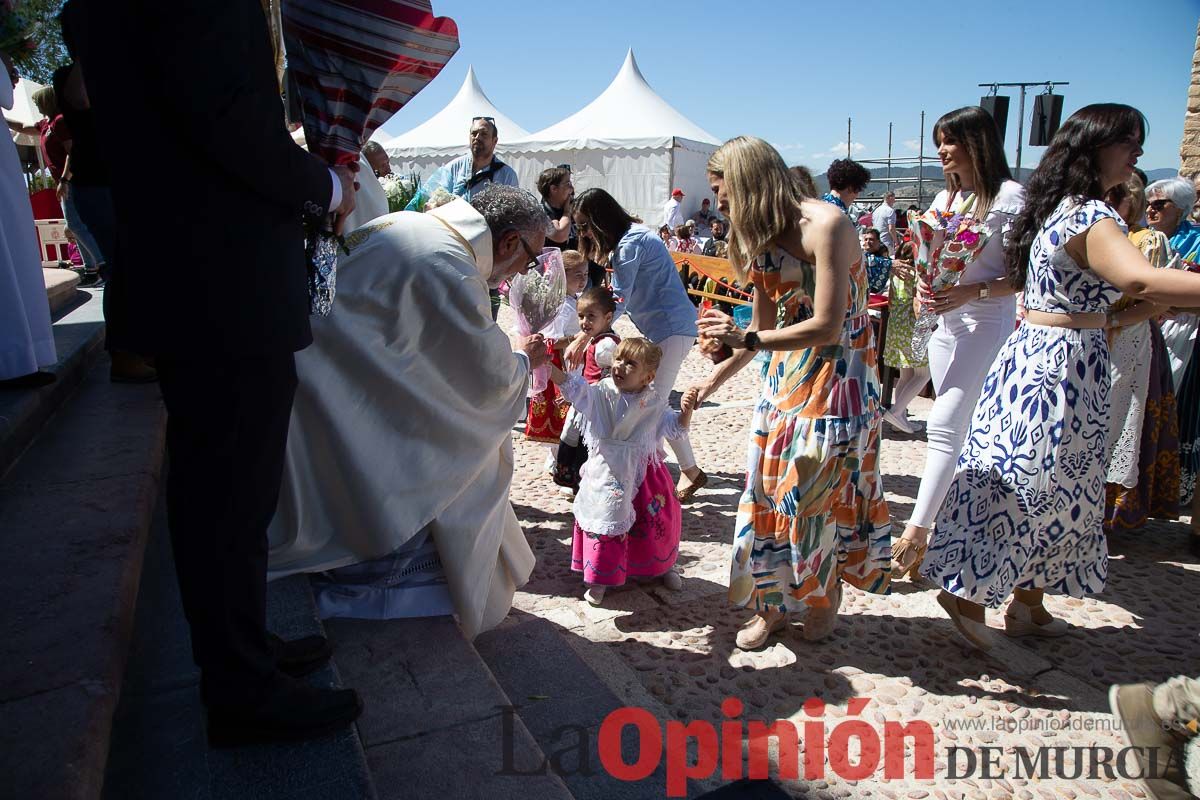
(1159, 205)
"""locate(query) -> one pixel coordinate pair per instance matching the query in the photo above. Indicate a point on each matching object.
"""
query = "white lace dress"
(1129, 356)
(623, 433)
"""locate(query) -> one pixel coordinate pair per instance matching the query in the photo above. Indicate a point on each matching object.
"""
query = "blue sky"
(792, 71)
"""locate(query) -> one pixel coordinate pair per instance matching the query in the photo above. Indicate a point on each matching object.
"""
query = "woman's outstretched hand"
(718, 325)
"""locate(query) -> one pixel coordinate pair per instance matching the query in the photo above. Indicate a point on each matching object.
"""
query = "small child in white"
(627, 520)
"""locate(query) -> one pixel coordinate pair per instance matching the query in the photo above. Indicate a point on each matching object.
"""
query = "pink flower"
(969, 237)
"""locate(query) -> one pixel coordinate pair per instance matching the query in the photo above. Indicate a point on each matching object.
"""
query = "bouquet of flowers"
(399, 190)
(537, 297)
(349, 85)
(944, 243)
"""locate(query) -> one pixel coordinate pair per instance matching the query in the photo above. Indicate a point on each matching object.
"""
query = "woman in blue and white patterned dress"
(1025, 509)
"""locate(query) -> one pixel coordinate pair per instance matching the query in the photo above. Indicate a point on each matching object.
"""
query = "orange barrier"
(716, 269)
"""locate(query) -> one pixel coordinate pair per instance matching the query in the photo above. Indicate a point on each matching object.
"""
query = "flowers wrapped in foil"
(537, 297)
(321, 247)
(944, 243)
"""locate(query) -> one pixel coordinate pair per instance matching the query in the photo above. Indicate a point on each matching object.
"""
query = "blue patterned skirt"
(1026, 507)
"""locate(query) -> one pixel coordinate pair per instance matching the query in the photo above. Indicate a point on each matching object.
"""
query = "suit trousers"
(227, 425)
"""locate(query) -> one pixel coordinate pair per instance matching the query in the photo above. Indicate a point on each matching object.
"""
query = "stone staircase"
(97, 687)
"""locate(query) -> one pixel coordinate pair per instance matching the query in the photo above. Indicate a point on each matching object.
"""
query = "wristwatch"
(751, 341)
(985, 291)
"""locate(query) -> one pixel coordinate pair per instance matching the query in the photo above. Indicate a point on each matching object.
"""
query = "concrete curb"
(78, 336)
(75, 511)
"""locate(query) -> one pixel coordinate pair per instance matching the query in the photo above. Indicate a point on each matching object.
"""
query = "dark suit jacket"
(209, 188)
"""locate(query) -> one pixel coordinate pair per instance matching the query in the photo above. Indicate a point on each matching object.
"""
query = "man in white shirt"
(673, 212)
(884, 220)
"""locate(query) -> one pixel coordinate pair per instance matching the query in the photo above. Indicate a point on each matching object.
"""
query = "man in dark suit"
(212, 284)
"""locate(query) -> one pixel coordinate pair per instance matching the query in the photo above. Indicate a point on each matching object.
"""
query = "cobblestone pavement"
(674, 653)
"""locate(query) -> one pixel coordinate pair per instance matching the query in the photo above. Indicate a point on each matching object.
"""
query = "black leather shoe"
(289, 711)
(300, 657)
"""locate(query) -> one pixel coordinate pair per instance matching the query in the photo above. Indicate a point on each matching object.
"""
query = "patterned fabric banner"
(355, 63)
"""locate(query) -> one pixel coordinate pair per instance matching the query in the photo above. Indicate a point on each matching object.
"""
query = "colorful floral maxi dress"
(1026, 507)
(813, 508)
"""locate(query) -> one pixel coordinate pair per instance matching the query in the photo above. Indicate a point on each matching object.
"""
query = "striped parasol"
(355, 63)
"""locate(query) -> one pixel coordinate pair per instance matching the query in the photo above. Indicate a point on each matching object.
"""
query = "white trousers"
(960, 354)
(674, 351)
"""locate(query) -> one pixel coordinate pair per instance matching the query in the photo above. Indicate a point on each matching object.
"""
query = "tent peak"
(629, 69)
(472, 80)
(627, 109)
(450, 125)
(470, 87)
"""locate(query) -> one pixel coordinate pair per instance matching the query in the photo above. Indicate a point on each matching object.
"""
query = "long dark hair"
(609, 221)
(1070, 168)
(975, 130)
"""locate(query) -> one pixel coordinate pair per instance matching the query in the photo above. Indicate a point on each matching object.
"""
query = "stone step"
(160, 748)
(435, 724)
(78, 337)
(60, 287)
(563, 702)
(74, 511)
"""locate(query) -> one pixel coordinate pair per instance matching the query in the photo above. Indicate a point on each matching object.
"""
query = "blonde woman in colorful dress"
(1025, 509)
(813, 513)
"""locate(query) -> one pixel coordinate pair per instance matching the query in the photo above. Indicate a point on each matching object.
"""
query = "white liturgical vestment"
(403, 416)
(26, 339)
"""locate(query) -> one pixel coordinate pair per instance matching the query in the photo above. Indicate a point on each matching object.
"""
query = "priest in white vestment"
(399, 455)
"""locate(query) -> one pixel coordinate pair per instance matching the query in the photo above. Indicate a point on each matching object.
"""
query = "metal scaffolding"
(926, 187)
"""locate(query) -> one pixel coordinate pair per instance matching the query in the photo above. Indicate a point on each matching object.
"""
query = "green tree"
(48, 52)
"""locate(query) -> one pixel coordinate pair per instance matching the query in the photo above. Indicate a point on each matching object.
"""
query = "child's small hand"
(577, 350)
(690, 399)
(534, 347)
(709, 345)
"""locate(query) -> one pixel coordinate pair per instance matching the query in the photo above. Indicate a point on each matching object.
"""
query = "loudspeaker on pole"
(1047, 114)
(997, 106)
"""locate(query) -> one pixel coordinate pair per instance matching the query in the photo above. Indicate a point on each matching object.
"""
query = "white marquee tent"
(628, 141)
(443, 137)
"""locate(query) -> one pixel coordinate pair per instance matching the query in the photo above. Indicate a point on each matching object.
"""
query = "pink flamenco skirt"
(648, 550)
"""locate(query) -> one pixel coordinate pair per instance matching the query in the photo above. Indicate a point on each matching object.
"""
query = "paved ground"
(674, 653)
